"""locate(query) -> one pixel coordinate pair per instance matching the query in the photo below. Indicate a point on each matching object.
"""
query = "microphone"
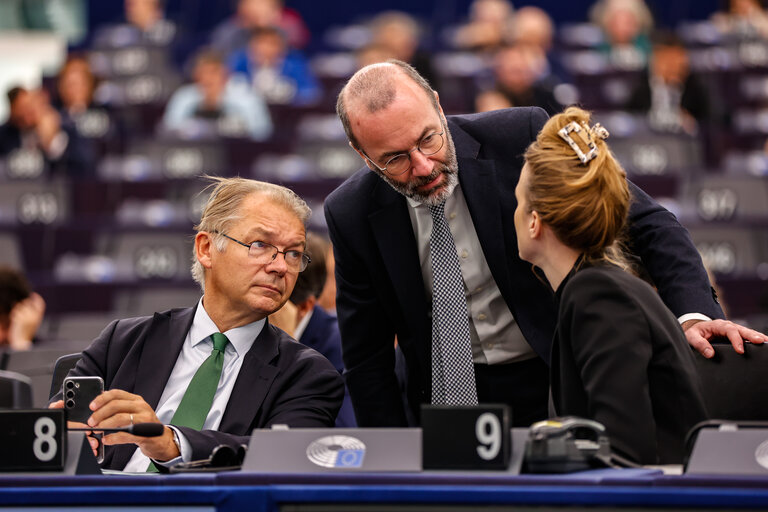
(138, 429)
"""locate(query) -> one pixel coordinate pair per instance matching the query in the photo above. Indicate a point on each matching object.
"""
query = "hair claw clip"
(583, 133)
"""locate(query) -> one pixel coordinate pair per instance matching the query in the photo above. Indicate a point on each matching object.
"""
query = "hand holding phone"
(79, 392)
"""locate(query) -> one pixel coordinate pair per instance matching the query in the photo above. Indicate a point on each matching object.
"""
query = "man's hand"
(117, 408)
(59, 404)
(699, 332)
(25, 319)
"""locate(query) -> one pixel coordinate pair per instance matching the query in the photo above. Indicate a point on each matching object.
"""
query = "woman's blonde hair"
(585, 204)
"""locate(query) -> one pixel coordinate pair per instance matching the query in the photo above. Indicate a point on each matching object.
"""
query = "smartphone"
(79, 392)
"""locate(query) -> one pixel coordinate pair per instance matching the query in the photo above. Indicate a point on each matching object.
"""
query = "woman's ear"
(535, 225)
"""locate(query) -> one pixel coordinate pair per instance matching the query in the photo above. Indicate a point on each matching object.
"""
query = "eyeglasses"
(265, 253)
(401, 162)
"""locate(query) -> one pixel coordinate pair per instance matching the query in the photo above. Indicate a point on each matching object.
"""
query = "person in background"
(75, 86)
(491, 99)
(233, 33)
(21, 310)
(248, 252)
(400, 34)
(226, 104)
(35, 127)
(488, 26)
(742, 19)
(278, 73)
(315, 327)
(618, 355)
(516, 69)
(675, 99)
(145, 24)
(626, 26)
(534, 28)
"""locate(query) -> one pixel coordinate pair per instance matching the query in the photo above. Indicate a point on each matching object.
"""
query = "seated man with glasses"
(214, 372)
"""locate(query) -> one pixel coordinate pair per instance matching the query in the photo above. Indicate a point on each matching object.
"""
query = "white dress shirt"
(496, 337)
(196, 349)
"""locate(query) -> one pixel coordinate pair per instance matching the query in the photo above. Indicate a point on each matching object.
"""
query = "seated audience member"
(488, 26)
(626, 25)
(315, 327)
(248, 252)
(532, 26)
(34, 127)
(75, 86)
(491, 99)
(372, 54)
(674, 98)
(399, 33)
(217, 104)
(145, 25)
(327, 297)
(619, 355)
(278, 73)
(21, 310)
(233, 33)
(743, 19)
(515, 70)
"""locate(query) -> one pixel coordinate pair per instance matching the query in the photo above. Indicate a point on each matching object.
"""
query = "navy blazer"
(380, 290)
(280, 381)
(620, 357)
(322, 334)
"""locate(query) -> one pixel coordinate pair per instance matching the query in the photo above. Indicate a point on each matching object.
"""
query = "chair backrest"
(734, 385)
(37, 364)
(15, 391)
(61, 369)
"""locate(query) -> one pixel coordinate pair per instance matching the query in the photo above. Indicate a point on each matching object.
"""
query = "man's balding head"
(374, 88)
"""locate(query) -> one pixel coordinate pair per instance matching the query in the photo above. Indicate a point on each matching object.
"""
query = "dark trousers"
(524, 386)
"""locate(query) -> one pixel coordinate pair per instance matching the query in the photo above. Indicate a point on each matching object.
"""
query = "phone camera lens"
(70, 394)
(70, 384)
(70, 403)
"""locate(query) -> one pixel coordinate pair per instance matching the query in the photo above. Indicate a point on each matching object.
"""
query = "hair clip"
(600, 131)
(583, 133)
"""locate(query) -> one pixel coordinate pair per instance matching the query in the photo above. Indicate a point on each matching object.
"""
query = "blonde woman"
(619, 356)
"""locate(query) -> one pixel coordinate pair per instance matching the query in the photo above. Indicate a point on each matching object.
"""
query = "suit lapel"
(161, 350)
(481, 191)
(392, 229)
(252, 384)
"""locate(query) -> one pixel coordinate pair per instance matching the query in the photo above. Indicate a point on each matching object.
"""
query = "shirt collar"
(240, 338)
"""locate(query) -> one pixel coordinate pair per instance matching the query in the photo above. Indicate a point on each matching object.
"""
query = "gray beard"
(450, 169)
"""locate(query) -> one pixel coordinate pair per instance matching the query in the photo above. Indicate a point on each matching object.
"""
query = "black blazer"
(620, 357)
(280, 381)
(380, 290)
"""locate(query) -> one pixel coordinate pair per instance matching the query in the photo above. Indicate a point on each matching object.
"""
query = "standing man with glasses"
(426, 253)
(214, 372)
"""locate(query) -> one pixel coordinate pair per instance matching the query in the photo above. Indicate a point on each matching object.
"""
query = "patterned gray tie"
(453, 373)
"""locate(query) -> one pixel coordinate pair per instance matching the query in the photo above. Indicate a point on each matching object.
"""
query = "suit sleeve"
(610, 343)
(367, 337)
(670, 257)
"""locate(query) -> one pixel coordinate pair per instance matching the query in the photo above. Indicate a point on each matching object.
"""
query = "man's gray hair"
(223, 209)
(373, 87)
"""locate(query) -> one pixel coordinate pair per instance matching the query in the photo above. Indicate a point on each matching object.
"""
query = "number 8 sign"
(32, 440)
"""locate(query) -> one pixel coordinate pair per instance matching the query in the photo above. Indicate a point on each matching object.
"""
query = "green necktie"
(198, 398)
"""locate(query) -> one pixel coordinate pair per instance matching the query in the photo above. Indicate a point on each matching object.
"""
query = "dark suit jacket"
(696, 99)
(280, 381)
(322, 334)
(378, 277)
(620, 357)
(76, 160)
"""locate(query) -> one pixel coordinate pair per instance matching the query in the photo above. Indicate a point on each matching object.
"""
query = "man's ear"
(439, 106)
(365, 158)
(203, 248)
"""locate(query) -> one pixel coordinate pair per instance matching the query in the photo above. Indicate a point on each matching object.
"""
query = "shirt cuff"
(693, 316)
(184, 449)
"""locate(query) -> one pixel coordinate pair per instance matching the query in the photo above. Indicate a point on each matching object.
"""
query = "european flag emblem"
(349, 458)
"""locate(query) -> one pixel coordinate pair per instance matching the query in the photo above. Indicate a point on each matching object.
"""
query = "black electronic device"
(138, 429)
(562, 445)
(32, 440)
(78, 393)
(223, 458)
(466, 437)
